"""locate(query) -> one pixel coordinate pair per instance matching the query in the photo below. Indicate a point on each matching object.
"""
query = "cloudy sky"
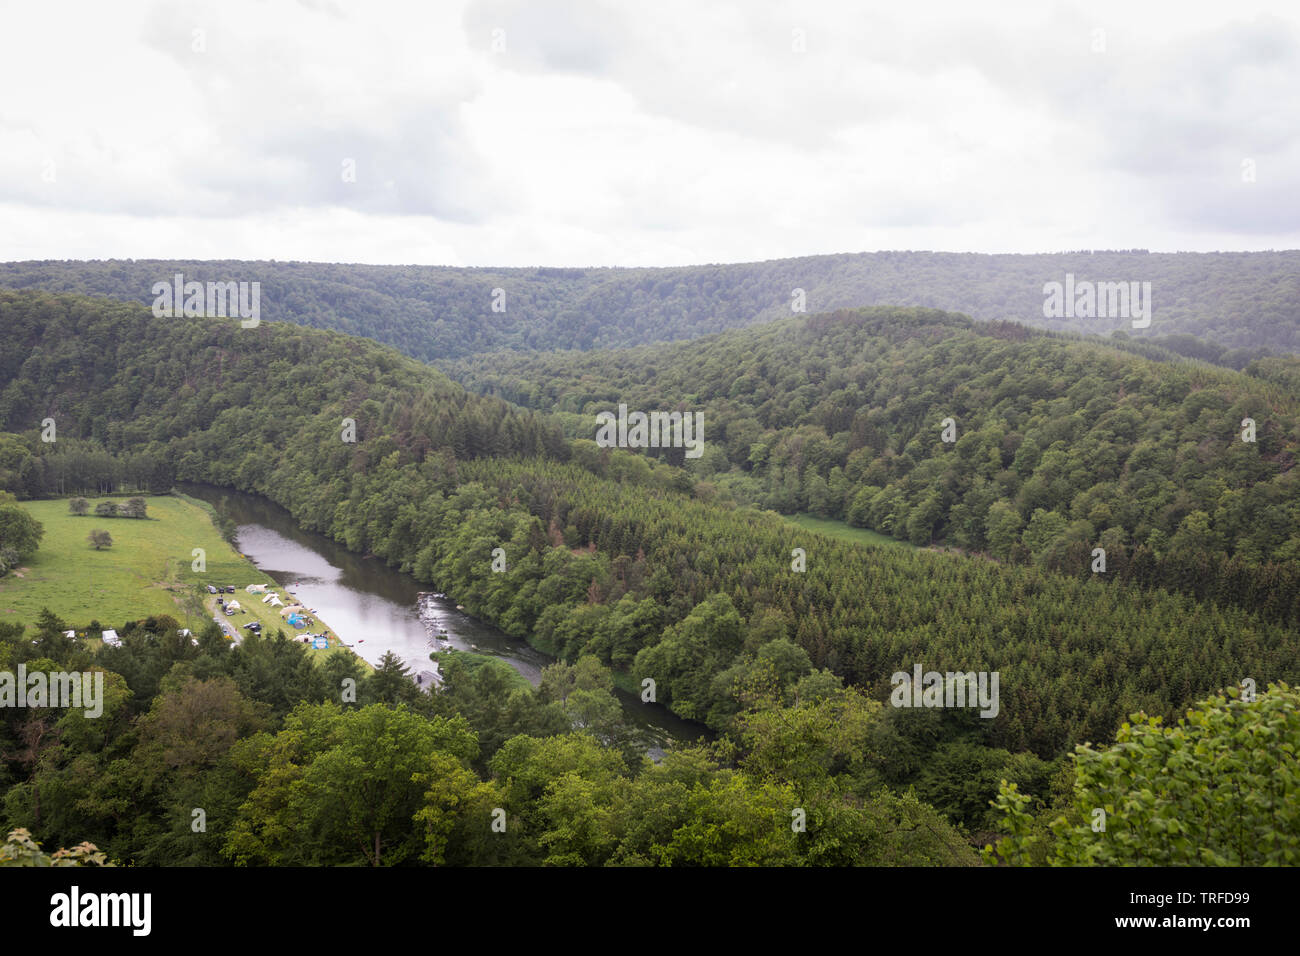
(559, 132)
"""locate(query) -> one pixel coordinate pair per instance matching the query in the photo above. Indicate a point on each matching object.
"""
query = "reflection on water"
(374, 608)
(355, 597)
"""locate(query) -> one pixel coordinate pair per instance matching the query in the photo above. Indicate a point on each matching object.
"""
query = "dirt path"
(210, 605)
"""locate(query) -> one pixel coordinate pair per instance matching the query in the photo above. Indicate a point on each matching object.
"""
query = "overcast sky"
(670, 132)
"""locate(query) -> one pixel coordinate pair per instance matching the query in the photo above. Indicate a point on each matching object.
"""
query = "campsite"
(146, 571)
(270, 607)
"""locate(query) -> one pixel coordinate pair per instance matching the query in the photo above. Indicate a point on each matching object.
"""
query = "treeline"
(32, 468)
(1238, 303)
(1059, 446)
(617, 556)
(204, 754)
(131, 508)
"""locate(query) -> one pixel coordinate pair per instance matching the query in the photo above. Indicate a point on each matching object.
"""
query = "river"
(374, 607)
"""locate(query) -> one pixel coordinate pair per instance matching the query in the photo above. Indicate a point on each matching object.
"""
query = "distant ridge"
(1240, 301)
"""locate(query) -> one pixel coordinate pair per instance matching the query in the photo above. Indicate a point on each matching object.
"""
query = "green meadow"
(473, 662)
(845, 532)
(146, 571)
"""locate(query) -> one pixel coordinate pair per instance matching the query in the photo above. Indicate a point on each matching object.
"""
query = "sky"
(565, 133)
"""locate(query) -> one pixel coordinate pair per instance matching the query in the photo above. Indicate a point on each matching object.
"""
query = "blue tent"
(295, 620)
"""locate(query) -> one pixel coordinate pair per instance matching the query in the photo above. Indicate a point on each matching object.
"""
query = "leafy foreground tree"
(340, 787)
(1222, 788)
(21, 850)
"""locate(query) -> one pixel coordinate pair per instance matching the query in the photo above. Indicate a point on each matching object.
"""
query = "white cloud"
(678, 132)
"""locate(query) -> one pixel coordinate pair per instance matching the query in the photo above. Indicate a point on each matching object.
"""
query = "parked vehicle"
(212, 590)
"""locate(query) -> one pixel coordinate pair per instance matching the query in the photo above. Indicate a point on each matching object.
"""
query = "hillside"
(1223, 307)
(1060, 445)
(608, 553)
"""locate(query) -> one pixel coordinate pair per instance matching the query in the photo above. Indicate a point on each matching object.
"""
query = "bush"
(1216, 789)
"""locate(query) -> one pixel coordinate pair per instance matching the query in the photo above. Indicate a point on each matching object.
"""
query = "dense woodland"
(1061, 446)
(284, 774)
(626, 562)
(1221, 307)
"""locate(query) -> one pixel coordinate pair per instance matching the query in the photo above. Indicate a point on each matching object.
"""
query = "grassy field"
(845, 532)
(147, 570)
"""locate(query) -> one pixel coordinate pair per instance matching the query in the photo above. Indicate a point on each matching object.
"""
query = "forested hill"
(241, 400)
(607, 553)
(1222, 307)
(1060, 446)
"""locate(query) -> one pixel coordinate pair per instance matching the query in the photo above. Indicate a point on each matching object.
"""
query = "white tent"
(292, 609)
(233, 606)
(111, 638)
(275, 601)
(256, 589)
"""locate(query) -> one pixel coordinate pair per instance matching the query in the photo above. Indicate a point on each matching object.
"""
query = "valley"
(890, 450)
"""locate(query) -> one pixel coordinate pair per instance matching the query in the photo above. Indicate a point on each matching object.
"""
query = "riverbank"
(157, 565)
(240, 571)
(252, 609)
(366, 596)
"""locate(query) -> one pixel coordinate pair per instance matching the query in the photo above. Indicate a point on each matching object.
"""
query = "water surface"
(374, 608)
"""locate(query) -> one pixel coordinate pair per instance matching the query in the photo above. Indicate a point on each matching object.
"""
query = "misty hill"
(1221, 307)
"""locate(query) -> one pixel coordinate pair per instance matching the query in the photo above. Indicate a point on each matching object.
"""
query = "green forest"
(1058, 446)
(628, 567)
(1227, 308)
